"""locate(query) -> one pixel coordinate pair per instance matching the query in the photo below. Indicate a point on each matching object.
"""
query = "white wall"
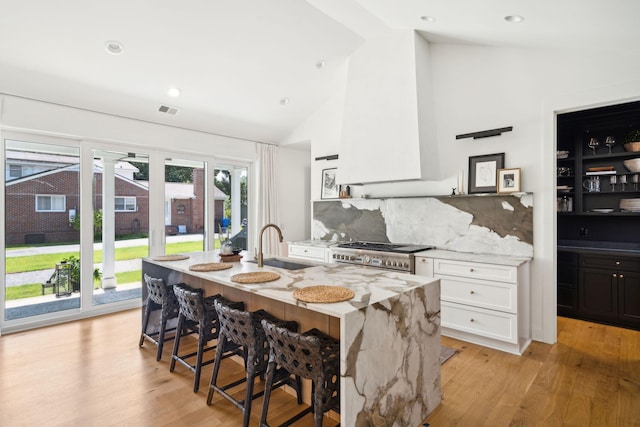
(478, 88)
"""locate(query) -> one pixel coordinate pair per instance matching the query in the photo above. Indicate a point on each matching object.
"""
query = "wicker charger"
(169, 257)
(257, 277)
(323, 294)
(210, 266)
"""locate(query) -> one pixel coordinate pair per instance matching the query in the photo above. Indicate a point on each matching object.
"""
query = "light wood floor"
(92, 373)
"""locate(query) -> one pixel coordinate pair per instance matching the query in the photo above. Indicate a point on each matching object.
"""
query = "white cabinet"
(486, 304)
(424, 266)
(309, 253)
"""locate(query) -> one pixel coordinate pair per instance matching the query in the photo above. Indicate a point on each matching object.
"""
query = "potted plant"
(75, 271)
(633, 136)
(633, 140)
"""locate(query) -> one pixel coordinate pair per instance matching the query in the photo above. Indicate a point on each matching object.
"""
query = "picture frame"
(483, 172)
(330, 189)
(509, 180)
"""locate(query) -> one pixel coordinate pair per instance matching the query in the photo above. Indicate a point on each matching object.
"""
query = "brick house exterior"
(24, 224)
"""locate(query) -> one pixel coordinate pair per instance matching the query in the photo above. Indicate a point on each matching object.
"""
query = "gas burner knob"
(388, 263)
(335, 256)
(367, 258)
(405, 265)
(352, 258)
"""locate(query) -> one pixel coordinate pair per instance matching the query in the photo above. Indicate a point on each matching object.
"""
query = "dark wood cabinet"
(629, 299)
(567, 278)
(608, 289)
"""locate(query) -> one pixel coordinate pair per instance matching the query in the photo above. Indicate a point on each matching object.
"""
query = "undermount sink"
(281, 263)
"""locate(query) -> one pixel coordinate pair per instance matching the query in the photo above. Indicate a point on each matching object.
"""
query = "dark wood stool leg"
(176, 343)
(216, 367)
(267, 393)
(196, 383)
(145, 323)
(163, 327)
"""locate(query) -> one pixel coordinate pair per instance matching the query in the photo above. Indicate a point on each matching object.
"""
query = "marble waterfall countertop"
(389, 333)
(370, 285)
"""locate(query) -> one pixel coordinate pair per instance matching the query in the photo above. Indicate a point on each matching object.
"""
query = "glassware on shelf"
(634, 179)
(623, 182)
(613, 181)
(593, 144)
(610, 141)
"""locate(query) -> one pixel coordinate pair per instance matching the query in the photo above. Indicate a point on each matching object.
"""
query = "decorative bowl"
(632, 146)
(633, 165)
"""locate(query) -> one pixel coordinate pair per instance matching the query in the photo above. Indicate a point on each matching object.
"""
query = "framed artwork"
(483, 173)
(508, 180)
(330, 189)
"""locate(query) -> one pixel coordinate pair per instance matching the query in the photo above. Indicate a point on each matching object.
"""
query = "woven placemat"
(169, 257)
(257, 277)
(323, 294)
(210, 266)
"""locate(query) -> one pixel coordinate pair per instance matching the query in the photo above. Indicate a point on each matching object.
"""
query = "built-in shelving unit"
(595, 282)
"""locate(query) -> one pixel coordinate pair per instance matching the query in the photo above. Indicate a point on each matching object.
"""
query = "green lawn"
(47, 261)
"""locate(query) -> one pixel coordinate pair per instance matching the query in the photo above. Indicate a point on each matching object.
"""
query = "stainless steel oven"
(388, 256)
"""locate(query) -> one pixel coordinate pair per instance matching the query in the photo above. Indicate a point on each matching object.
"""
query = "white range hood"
(388, 129)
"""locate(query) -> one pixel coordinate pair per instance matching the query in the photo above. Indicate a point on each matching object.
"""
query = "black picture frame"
(483, 173)
(330, 188)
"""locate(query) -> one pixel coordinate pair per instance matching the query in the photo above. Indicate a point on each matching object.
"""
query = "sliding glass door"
(41, 228)
(184, 205)
(120, 224)
(231, 204)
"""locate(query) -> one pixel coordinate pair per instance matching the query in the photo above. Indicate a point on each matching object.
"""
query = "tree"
(171, 173)
(97, 223)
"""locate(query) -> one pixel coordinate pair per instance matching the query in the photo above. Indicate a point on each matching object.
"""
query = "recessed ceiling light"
(284, 101)
(514, 19)
(428, 18)
(114, 47)
(320, 64)
(174, 91)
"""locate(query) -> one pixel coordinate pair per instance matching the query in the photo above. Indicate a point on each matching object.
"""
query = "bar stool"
(312, 355)
(160, 296)
(197, 315)
(244, 328)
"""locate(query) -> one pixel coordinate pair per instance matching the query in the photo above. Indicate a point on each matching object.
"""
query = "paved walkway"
(39, 276)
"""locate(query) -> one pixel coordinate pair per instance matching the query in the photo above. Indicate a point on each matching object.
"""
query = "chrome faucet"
(260, 255)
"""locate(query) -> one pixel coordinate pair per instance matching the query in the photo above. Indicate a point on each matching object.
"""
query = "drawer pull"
(471, 292)
(305, 251)
(614, 275)
(617, 262)
(622, 276)
(471, 270)
(472, 320)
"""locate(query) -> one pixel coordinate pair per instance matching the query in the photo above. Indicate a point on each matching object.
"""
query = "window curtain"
(268, 197)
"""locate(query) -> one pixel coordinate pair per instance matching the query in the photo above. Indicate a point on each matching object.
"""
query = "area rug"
(446, 353)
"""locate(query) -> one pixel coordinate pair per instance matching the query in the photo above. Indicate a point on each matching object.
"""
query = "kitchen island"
(389, 332)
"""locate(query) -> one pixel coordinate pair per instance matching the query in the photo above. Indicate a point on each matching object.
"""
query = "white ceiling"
(234, 61)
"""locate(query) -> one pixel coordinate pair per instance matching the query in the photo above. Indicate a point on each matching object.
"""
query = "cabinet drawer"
(486, 323)
(307, 252)
(424, 266)
(610, 262)
(500, 273)
(478, 293)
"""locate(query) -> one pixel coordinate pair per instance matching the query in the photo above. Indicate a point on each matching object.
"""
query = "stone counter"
(389, 332)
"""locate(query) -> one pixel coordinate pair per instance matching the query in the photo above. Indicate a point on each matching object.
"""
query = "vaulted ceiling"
(255, 69)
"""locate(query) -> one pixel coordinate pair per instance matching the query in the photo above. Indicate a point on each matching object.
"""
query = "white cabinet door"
(424, 266)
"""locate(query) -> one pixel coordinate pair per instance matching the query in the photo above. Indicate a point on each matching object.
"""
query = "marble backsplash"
(488, 224)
